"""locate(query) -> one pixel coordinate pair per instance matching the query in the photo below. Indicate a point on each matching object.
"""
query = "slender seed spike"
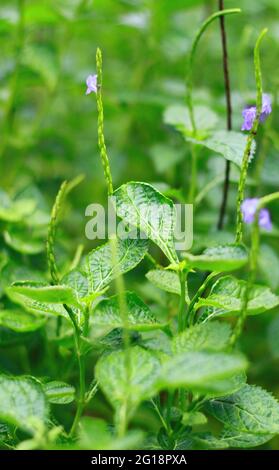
(101, 136)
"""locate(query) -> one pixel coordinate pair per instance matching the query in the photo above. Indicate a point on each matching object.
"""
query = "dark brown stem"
(229, 115)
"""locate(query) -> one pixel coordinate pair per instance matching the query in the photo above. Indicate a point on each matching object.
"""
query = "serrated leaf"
(78, 282)
(178, 117)
(98, 265)
(243, 440)
(251, 409)
(123, 391)
(20, 321)
(34, 306)
(210, 336)
(166, 280)
(220, 258)
(142, 206)
(108, 315)
(44, 293)
(225, 298)
(194, 418)
(229, 144)
(201, 371)
(21, 400)
(59, 393)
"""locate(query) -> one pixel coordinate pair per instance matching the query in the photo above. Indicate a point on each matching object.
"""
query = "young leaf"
(142, 206)
(78, 282)
(20, 321)
(201, 371)
(126, 392)
(166, 280)
(226, 294)
(95, 434)
(210, 336)
(36, 307)
(98, 265)
(178, 117)
(251, 409)
(44, 293)
(229, 144)
(107, 314)
(21, 400)
(220, 258)
(59, 392)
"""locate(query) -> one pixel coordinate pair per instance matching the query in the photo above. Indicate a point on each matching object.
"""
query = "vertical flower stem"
(223, 206)
(253, 261)
(251, 136)
(182, 303)
(101, 135)
(189, 78)
(122, 418)
(9, 110)
(189, 91)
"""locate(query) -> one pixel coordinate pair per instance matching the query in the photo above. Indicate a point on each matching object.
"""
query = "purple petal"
(91, 83)
(265, 220)
(248, 209)
(249, 115)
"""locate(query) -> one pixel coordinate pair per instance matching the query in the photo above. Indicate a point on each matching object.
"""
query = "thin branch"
(229, 115)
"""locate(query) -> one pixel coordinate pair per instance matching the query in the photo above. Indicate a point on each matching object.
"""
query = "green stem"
(198, 294)
(189, 80)
(193, 181)
(101, 135)
(252, 134)
(81, 398)
(182, 303)
(9, 110)
(253, 261)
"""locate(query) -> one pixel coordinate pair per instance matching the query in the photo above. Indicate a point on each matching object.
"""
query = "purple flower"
(266, 107)
(92, 84)
(249, 208)
(249, 113)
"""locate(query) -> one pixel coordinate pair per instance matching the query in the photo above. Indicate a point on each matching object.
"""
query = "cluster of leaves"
(175, 366)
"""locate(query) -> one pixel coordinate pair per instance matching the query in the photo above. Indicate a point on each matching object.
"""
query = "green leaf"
(98, 265)
(15, 211)
(268, 257)
(20, 321)
(22, 242)
(244, 440)
(201, 371)
(142, 206)
(165, 157)
(226, 294)
(194, 418)
(78, 282)
(44, 293)
(34, 306)
(108, 315)
(251, 409)
(59, 392)
(123, 392)
(220, 258)
(166, 280)
(95, 434)
(210, 336)
(229, 144)
(22, 400)
(178, 117)
(42, 60)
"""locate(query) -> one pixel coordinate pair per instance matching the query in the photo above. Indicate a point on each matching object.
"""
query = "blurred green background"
(48, 127)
